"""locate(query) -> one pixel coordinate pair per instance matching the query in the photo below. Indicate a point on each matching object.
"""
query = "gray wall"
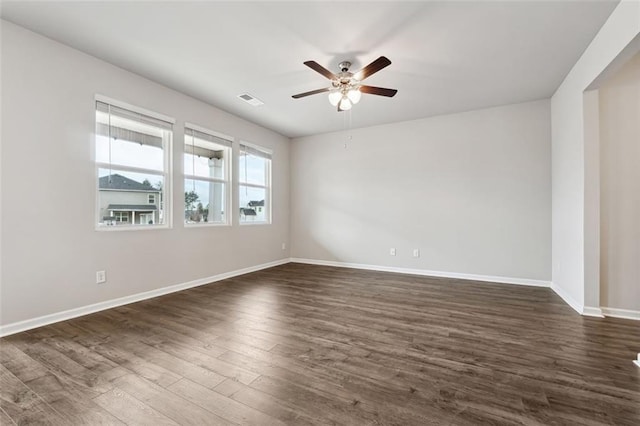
(50, 249)
(472, 191)
(620, 189)
(570, 247)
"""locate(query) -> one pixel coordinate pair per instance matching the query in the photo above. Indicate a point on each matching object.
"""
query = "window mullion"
(207, 179)
(253, 185)
(131, 169)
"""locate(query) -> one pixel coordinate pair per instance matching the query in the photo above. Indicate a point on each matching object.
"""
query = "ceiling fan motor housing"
(344, 66)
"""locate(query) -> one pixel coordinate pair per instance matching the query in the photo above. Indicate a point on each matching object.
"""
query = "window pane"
(132, 143)
(205, 158)
(127, 198)
(204, 201)
(253, 206)
(252, 169)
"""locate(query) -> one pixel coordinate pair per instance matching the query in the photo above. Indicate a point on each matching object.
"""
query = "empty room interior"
(320, 213)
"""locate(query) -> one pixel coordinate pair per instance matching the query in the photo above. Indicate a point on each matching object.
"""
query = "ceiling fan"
(346, 88)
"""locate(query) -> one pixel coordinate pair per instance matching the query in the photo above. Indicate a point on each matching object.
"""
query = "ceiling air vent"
(250, 99)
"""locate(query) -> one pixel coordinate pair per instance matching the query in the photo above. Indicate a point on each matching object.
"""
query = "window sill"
(253, 223)
(205, 225)
(120, 228)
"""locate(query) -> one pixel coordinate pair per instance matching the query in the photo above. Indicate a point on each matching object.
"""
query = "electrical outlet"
(101, 277)
(416, 252)
(392, 251)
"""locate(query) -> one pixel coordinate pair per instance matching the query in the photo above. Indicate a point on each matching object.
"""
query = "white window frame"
(226, 180)
(151, 198)
(267, 187)
(166, 173)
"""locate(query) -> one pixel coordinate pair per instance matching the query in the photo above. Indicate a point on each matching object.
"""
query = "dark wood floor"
(302, 345)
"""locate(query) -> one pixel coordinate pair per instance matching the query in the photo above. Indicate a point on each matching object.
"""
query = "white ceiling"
(447, 56)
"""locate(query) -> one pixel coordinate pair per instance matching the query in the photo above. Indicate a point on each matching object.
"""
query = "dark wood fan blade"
(313, 92)
(339, 109)
(380, 91)
(372, 68)
(320, 69)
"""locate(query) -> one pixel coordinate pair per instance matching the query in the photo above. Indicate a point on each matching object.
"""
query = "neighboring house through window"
(119, 195)
(254, 184)
(132, 158)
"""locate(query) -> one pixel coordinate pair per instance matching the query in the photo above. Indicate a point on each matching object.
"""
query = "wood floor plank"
(20, 364)
(316, 345)
(179, 366)
(215, 365)
(316, 403)
(158, 365)
(130, 361)
(85, 380)
(131, 410)
(22, 405)
(5, 419)
(228, 387)
(71, 401)
(277, 407)
(169, 404)
(84, 356)
(348, 387)
(69, 396)
(221, 405)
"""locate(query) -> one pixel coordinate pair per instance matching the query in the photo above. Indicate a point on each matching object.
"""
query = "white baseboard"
(578, 307)
(621, 313)
(590, 311)
(424, 272)
(29, 324)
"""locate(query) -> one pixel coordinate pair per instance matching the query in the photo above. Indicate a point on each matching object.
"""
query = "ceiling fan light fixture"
(354, 95)
(335, 97)
(345, 104)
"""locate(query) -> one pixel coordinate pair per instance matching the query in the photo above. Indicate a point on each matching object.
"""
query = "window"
(132, 165)
(254, 184)
(121, 216)
(206, 172)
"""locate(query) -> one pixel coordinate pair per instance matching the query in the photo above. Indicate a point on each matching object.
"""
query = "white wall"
(620, 189)
(568, 153)
(50, 250)
(472, 191)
